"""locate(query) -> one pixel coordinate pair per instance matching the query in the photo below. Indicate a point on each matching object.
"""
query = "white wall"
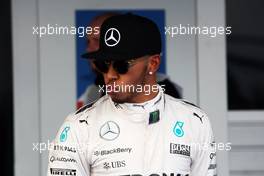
(26, 87)
(246, 134)
(212, 74)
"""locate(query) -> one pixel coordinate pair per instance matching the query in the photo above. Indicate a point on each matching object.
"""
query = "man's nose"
(110, 75)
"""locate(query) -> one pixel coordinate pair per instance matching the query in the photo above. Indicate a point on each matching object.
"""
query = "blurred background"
(224, 75)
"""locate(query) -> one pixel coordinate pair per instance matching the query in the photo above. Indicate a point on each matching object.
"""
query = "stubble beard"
(132, 96)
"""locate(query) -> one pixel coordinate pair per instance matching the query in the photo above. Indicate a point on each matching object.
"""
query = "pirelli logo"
(180, 149)
(59, 171)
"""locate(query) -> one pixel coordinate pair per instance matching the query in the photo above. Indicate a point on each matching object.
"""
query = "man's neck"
(145, 96)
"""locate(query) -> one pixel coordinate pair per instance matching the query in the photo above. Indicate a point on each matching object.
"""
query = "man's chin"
(117, 98)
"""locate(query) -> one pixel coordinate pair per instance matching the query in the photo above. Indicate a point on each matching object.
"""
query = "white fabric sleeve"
(204, 163)
(67, 153)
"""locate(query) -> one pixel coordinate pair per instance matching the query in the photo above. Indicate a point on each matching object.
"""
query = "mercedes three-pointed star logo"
(112, 37)
(109, 131)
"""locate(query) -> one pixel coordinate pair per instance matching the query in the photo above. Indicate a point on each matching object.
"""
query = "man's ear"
(154, 63)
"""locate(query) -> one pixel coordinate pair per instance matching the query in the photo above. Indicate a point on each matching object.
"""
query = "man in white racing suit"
(137, 131)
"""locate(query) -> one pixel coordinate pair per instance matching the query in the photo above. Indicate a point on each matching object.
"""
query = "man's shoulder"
(181, 102)
(78, 124)
(192, 116)
(88, 110)
(190, 110)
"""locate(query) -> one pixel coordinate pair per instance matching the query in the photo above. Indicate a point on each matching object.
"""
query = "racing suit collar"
(139, 112)
(147, 106)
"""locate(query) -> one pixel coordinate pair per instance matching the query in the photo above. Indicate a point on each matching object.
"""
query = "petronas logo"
(64, 134)
(177, 130)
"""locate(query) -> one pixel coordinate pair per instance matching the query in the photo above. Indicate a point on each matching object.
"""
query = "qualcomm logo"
(62, 159)
(177, 130)
(112, 37)
(109, 131)
(64, 134)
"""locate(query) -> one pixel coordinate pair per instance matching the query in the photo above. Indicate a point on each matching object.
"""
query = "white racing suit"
(161, 137)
